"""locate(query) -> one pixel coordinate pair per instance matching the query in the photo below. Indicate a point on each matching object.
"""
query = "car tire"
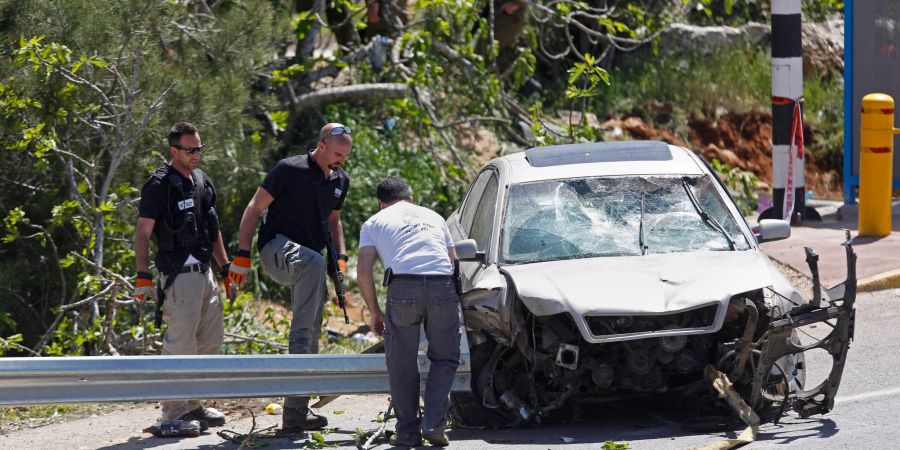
(467, 408)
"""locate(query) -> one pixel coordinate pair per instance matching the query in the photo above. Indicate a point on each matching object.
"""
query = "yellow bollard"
(876, 156)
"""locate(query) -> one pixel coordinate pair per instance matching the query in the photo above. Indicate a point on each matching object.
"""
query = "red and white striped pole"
(787, 113)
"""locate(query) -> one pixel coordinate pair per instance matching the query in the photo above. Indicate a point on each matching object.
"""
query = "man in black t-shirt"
(298, 195)
(178, 210)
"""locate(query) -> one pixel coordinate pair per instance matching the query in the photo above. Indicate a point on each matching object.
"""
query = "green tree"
(88, 89)
(91, 99)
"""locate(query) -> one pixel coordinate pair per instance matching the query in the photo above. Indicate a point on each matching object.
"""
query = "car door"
(484, 287)
(477, 222)
(461, 220)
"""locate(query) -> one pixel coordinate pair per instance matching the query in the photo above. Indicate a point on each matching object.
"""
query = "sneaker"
(175, 428)
(437, 438)
(304, 420)
(208, 417)
(396, 441)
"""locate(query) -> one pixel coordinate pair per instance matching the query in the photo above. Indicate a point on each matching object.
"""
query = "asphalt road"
(865, 415)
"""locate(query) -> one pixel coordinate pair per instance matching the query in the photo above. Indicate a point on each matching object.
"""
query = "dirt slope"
(738, 139)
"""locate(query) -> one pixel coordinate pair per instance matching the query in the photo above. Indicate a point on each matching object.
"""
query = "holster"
(457, 279)
(161, 298)
(388, 276)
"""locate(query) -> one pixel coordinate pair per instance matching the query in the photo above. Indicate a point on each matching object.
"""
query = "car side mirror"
(467, 250)
(773, 230)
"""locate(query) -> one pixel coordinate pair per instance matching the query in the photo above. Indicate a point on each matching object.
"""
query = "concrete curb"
(885, 280)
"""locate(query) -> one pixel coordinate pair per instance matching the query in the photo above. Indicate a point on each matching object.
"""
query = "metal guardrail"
(33, 381)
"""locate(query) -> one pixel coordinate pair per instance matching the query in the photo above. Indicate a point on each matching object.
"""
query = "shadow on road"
(793, 428)
(618, 422)
(149, 442)
(334, 438)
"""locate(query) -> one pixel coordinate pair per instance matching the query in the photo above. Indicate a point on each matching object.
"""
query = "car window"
(470, 205)
(713, 203)
(483, 223)
(601, 216)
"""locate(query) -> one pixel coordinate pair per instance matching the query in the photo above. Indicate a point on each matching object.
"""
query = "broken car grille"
(702, 317)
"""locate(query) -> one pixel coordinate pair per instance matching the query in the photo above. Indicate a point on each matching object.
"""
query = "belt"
(412, 277)
(199, 267)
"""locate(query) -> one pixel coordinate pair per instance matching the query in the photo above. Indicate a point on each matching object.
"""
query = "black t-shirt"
(161, 201)
(298, 184)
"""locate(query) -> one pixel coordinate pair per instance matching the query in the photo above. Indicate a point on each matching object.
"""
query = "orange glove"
(240, 268)
(143, 287)
(230, 288)
(342, 263)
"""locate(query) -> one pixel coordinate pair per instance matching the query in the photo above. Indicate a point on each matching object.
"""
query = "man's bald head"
(328, 129)
(335, 145)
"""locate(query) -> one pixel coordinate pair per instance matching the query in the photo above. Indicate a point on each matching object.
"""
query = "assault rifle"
(334, 270)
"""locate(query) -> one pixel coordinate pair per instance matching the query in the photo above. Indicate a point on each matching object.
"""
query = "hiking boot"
(208, 417)
(302, 419)
(437, 438)
(409, 441)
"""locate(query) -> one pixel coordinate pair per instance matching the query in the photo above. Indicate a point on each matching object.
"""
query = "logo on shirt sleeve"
(337, 192)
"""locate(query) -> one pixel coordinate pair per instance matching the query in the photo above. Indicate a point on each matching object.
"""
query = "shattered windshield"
(615, 216)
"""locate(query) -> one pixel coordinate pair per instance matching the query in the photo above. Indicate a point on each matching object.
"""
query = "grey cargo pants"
(303, 270)
(434, 304)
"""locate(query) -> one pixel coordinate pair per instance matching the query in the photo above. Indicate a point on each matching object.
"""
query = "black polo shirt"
(298, 184)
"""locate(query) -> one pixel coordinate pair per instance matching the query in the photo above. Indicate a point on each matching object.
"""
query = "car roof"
(600, 159)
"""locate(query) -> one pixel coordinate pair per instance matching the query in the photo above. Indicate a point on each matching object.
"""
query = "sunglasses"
(337, 131)
(190, 150)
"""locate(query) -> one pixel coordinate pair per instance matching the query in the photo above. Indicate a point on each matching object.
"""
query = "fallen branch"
(71, 306)
(249, 439)
(455, 58)
(346, 94)
(380, 432)
(277, 345)
(474, 119)
(18, 346)
(118, 277)
(725, 391)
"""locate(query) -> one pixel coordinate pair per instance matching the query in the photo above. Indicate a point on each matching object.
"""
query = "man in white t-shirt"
(415, 247)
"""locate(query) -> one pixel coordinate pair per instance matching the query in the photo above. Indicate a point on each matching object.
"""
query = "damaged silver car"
(603, 271)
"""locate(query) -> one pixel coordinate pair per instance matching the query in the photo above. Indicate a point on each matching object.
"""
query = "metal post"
(849, 191)
(876, 156)
(787, 105)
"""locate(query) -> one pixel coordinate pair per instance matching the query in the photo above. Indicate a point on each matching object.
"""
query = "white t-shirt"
(409, 239)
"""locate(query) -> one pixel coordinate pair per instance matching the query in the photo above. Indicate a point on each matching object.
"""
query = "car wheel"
(468, 408)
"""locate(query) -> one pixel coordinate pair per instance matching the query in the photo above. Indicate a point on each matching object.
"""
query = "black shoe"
(437, 438)
(397, 441)
(208, 417)
(175, 428)
(294, 418)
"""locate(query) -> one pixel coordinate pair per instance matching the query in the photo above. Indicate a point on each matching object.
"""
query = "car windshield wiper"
(642, 238)
(709, 220)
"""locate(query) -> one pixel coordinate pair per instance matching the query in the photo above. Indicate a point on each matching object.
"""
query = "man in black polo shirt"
(300, 192)
(178, 209)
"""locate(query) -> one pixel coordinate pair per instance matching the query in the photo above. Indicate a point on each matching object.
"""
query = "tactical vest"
(190, 224)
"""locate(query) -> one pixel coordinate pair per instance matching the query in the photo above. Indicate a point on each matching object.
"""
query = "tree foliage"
(87, 103)
(89, 88)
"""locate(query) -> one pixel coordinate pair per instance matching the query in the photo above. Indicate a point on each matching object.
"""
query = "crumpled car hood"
(637, 285)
